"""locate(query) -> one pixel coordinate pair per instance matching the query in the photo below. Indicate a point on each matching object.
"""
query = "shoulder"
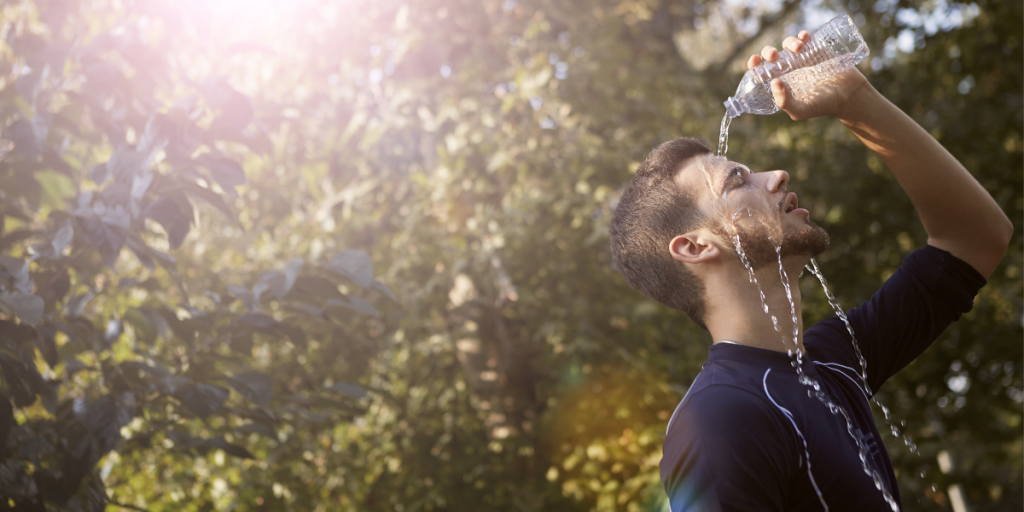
(723, 438)
(720, 412)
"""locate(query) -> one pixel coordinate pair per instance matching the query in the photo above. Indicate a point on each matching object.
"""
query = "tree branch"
(767, 22)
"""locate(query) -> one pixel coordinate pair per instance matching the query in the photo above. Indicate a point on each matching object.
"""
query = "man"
(749, 435)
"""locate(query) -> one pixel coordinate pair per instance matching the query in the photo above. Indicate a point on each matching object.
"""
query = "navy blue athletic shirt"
(736, 441)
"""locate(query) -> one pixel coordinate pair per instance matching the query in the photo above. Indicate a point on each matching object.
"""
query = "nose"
(777, 180)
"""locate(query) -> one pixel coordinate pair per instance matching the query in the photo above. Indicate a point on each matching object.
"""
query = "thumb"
(783, 96)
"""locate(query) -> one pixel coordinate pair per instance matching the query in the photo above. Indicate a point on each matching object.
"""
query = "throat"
(768, 318)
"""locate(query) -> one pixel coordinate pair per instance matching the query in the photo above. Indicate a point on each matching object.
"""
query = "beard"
(759, 248)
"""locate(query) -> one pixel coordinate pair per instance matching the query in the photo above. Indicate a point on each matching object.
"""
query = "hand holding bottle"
(827, 97)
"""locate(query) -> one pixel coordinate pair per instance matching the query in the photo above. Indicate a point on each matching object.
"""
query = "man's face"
(756, 207)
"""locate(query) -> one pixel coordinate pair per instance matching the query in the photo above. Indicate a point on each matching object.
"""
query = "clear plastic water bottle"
(832, 49)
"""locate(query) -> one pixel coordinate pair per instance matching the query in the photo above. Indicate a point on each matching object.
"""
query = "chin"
(760, 250)
(810, 241)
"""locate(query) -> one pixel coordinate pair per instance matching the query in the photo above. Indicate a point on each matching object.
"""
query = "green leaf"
(383, 288)
(47, 345)
(355, 304)
(201, 399)
(23, 380)
(243, 294)
(63, 237)
(56, 188)
(156, 135)
(354, 264)
(14, 237)
(257, 387)
(29, 308)
(26, 145)
(291, 273)
(209, 197)
(106, 238)
(230, 449)
(294, 333)
(75, 305)
(225, 170)
(259, 428)
(258, 320)
(7, 421)
(349, 390)
(318, 287)
(312, 310)
(167, 210)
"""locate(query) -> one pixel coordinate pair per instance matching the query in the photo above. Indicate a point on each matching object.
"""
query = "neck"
(736, 312)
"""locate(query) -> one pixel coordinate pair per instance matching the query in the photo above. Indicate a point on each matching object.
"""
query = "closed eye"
(736, 178)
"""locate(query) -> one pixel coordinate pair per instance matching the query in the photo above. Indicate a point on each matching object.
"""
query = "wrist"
(859, 105)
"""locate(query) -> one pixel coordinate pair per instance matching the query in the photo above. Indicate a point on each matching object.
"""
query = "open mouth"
(792, 204)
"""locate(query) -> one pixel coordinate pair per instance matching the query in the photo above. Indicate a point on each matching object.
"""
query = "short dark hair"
(653, 211)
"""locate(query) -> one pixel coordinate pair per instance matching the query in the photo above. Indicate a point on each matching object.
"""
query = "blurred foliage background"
(352, 255)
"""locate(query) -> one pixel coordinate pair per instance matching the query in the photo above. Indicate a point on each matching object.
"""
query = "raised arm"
(958, 213)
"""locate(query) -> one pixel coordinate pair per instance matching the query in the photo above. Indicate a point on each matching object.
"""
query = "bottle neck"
(733, 108)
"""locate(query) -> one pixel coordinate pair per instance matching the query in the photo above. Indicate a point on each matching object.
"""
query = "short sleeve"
(727, 451)
(930, 290)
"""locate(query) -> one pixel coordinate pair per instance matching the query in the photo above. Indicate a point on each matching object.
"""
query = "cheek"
(748, 207)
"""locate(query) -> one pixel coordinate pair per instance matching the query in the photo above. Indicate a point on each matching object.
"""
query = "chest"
(848, 463)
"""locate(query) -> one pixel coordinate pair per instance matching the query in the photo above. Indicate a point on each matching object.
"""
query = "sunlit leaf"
(354, 264)
(167, 211)
(76, 304)
(225, 170)
(63, 237)
(29, 308)
(209, 197)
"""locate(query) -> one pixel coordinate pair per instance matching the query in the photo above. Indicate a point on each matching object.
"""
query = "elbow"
(1005, 234)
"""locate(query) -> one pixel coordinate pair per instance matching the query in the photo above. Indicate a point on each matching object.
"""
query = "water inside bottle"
(803, 80)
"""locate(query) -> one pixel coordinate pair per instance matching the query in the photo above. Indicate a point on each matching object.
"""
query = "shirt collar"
(758, 356)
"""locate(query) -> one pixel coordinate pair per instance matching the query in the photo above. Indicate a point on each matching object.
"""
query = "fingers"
(780, 91)
(771, 54)
(793, 44)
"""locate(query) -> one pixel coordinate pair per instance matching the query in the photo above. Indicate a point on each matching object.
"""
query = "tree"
(244, 352)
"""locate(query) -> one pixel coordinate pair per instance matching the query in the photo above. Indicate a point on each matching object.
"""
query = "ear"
(694, 247)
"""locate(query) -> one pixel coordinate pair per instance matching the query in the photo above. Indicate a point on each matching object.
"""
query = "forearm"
(957, 212)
